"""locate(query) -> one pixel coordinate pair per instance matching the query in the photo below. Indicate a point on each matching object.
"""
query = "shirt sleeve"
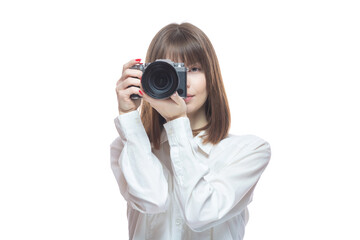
(137, 170)
(209, 197)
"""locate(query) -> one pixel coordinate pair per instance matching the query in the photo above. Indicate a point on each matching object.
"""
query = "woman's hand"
(130, 77)
(170, 109)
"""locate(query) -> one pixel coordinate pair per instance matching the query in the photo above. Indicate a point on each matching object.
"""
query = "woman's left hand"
(170, 109)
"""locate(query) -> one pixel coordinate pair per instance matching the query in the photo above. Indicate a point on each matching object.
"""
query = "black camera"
(162, 78)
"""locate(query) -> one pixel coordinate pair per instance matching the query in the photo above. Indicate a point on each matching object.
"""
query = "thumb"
(176, 98)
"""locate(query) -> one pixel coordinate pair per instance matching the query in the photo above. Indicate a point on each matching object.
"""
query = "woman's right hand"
(130, 77)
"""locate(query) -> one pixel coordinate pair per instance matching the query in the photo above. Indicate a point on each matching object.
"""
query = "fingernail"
(138, 60)
(141, 93)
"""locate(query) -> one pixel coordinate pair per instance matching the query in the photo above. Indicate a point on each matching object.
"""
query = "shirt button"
(178, 222)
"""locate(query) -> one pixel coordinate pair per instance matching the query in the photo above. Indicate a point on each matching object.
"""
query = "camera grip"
(134, 96)
(141, 68)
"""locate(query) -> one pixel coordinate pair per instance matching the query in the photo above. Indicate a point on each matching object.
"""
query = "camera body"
(162, 78)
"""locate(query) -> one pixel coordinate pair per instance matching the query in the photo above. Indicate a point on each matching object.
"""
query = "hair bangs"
(186, 50)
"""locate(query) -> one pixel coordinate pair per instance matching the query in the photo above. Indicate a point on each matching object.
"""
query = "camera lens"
(160, 80)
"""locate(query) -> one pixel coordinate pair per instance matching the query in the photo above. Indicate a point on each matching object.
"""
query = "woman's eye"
(194, 69)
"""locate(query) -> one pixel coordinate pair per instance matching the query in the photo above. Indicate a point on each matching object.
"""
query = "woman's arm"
(138, 172)
(210, 197)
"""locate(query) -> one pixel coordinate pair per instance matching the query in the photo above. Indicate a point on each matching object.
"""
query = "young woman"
(181, 173)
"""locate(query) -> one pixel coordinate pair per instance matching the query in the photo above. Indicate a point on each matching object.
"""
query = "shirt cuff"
(178, 129)
(129, 124)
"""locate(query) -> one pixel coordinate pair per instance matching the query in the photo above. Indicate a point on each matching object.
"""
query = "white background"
(291, 70)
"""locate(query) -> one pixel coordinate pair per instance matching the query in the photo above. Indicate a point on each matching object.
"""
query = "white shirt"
(186, 189)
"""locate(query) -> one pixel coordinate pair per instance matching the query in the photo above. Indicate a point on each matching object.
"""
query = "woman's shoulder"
(243, 141)
(242, 149)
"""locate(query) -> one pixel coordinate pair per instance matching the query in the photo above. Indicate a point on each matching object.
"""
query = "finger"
(130, 91)
(128, 82)
(131, 73)
(146, 97)
(131, 63)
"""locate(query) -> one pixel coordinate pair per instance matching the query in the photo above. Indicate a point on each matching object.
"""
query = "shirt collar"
(204, 147)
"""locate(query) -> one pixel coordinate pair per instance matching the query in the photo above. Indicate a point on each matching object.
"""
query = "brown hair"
(187, 43)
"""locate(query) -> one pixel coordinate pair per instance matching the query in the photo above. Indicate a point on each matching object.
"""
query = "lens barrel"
(160, 80)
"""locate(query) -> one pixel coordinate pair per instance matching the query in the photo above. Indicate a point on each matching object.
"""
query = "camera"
(162, 78)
